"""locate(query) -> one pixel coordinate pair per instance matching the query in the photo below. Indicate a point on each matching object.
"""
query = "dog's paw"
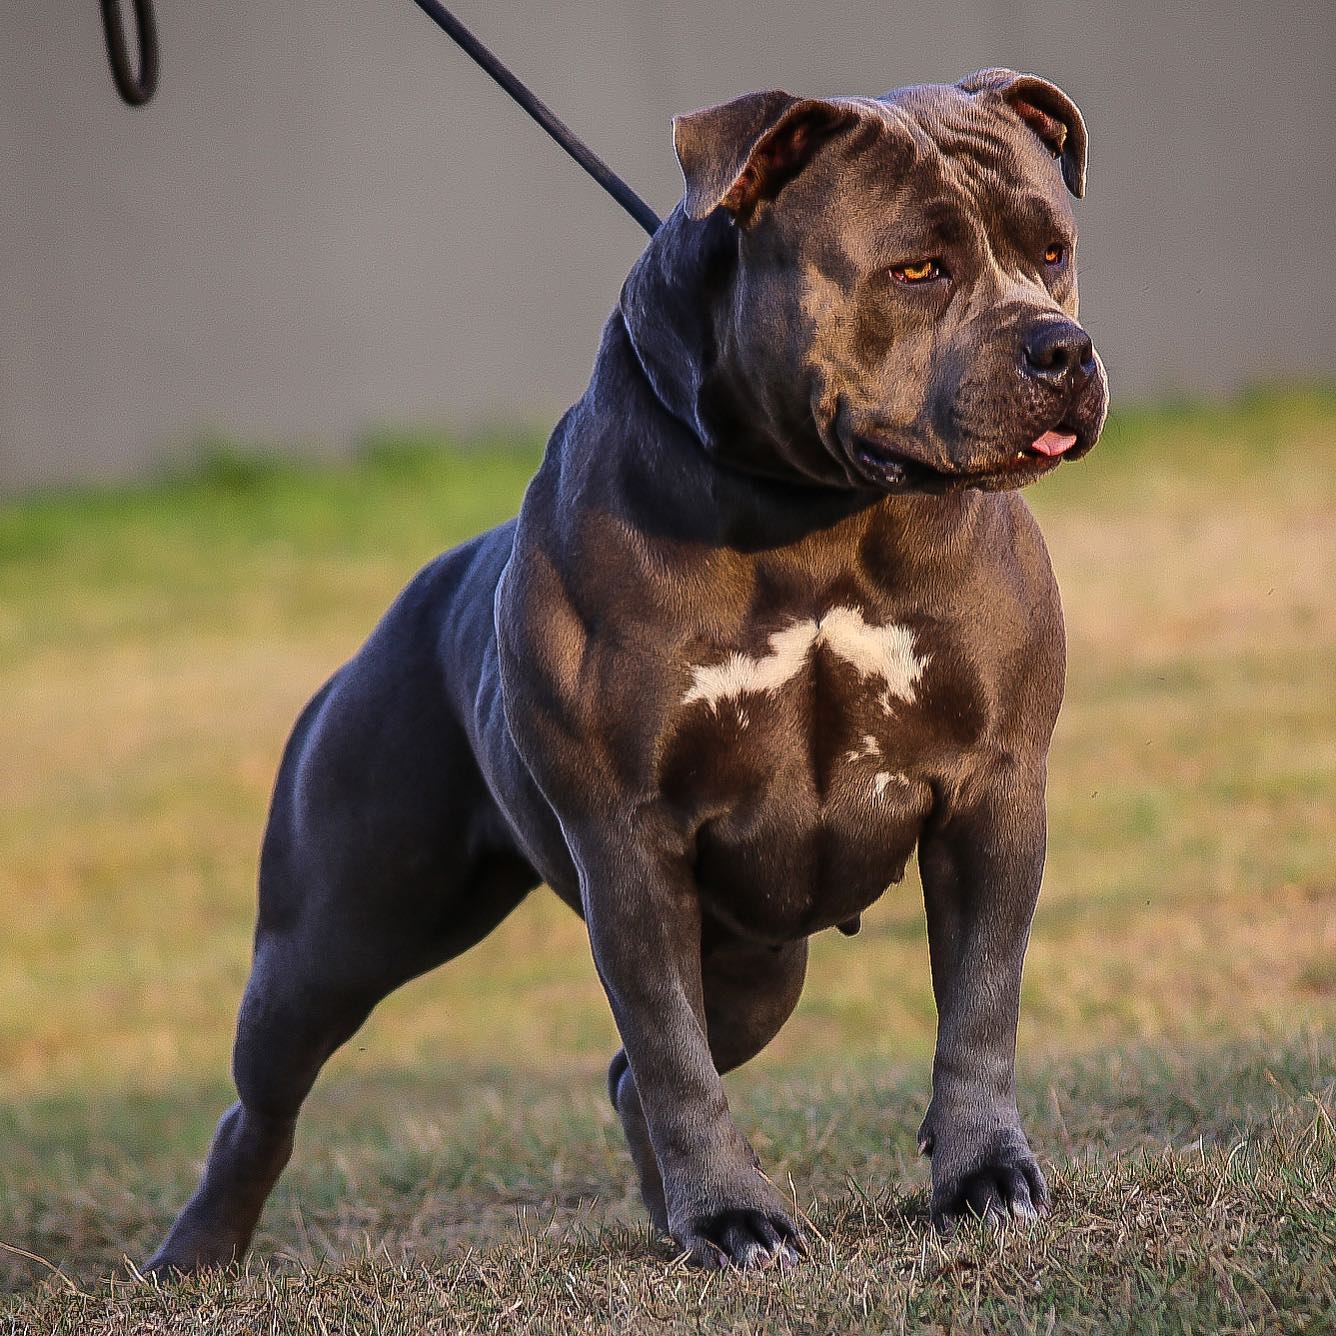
(747, 1225)
(743, 1237)
(176, 1264)
(194, 1246)
(1002, 1184)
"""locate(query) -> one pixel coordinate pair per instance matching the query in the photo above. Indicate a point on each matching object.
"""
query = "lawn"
(458, 1166)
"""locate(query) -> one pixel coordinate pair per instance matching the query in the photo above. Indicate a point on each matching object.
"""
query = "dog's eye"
(924, 271)
(1055, 254)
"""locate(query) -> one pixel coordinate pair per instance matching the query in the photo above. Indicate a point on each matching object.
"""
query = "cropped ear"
(1047, 110)
(739, 153)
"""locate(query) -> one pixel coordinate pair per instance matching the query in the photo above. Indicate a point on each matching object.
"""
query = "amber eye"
(1055, 254)
(924, 271)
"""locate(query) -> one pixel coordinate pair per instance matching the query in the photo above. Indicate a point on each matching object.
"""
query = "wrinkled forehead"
(934, 159)
(971, 132)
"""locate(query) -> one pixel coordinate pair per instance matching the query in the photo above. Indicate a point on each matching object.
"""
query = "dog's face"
(904, 306)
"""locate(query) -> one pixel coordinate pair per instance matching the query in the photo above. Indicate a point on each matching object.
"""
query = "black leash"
(559, 131)
(136, 89)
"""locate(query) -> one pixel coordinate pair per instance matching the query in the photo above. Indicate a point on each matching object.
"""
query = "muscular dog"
(772, 616)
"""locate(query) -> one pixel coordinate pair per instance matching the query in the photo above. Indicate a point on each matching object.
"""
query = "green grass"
(459, 1167)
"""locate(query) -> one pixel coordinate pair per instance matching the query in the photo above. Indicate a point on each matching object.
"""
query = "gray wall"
(329, 218)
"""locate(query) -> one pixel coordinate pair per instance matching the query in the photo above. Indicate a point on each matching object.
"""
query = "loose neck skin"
(678, 307)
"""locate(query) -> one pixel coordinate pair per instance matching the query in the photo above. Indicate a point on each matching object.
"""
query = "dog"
(772, 616)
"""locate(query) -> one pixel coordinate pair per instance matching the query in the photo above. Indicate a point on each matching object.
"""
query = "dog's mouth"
(891, 468)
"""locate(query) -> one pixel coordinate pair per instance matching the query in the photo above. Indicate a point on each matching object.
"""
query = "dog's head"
(896, 307)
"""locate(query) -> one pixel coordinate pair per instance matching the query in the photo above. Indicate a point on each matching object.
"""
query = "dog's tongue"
(1054, 443)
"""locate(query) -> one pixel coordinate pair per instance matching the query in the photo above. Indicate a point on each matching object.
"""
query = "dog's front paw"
(991, 1178)
(751, 1229)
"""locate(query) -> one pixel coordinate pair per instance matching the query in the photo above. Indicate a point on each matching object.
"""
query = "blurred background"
(330, 219)
(277, 339)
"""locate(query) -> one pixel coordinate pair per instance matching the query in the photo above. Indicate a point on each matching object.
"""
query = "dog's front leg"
(981, 868)
(644, 921)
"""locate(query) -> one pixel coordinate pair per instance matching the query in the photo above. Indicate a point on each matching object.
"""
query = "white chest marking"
(884, 777)
(884, 652)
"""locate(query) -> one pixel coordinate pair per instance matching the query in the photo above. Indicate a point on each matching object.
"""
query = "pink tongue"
(1054, 443)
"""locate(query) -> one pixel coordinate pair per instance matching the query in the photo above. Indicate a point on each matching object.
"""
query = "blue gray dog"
(772, 617)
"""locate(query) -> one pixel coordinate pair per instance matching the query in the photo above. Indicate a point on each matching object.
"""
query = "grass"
(458, 1167)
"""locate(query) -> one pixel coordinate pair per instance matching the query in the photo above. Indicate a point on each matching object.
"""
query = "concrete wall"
(329, 218)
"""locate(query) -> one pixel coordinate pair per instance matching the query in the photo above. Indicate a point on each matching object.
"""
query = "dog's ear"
(1047, 110)
(739, 153)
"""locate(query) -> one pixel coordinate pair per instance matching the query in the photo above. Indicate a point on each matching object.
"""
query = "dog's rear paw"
(1006, 1185)
(189, 1250)
(168, 1266)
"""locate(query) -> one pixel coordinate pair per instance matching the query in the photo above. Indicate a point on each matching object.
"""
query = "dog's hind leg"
(292, 1018)
(301, 1003)
(382, 859)
(750, 991)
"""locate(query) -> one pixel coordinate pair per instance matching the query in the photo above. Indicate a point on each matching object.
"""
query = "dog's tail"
(616, 1070)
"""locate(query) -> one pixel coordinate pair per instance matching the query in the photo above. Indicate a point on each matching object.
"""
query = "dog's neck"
(623, 452)
(675, 305)
(667, 309)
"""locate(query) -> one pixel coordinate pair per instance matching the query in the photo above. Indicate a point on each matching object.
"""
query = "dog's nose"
(1059, 351)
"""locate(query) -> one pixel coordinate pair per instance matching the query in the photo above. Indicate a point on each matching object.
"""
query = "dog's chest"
(805, 757)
